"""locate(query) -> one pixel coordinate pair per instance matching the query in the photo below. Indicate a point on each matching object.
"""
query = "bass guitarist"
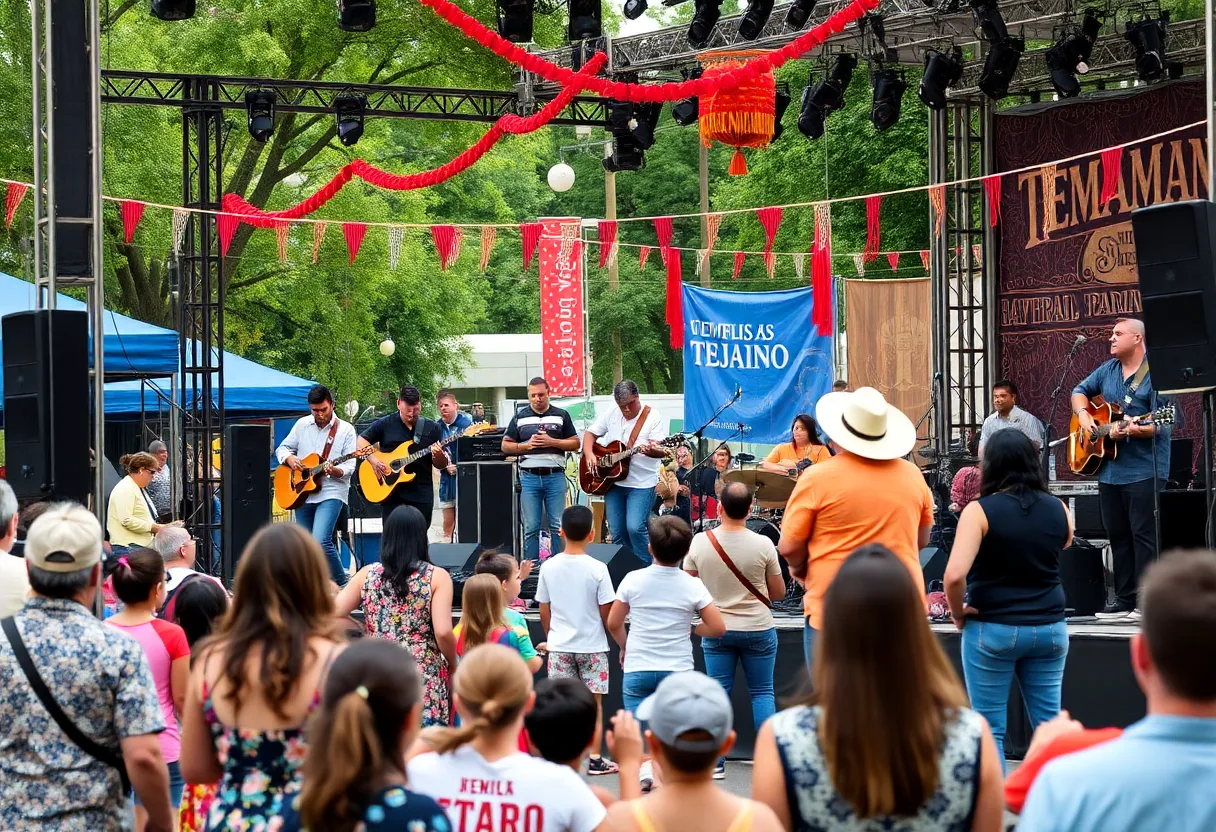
(1125, 483)
(391, 431)
(627, 503)
(324, 434)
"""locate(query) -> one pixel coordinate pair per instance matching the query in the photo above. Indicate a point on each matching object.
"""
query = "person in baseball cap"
(65, 538)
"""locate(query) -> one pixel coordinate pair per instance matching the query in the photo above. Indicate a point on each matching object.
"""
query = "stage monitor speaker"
(461, 557)
(1083, 577)
(933, 564)
(47, 404)
(1176, 260)
(245, 493)
(620, 560)
(71, 150)
(486, 508)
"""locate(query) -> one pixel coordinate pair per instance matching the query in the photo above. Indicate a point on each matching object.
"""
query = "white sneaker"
(1132, 617)
(646, 777)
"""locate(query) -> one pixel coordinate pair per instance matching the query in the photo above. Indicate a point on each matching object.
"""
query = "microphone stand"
(1051, 413)
(1152, 408)
(695, 488)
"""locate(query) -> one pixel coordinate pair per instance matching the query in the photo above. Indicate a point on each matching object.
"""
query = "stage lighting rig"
(259, 104)
(348, 111)
(1069, 55)
(172, 9)
(1000, 65)
(686, 111)
(356, 15)
(889, 87)
(643, 123)
(634, 9)
(989, 21)
(585, 20)
(1148, 37)
(781, 103)
(819, 101)
(942, 71)
(754, 18)
(704, 19)
(515, 19)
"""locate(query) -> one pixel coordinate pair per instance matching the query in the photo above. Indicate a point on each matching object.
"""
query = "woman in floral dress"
(253, 686)
(407, 599)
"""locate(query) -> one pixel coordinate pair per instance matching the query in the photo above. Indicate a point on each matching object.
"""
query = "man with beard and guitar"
(414, 485)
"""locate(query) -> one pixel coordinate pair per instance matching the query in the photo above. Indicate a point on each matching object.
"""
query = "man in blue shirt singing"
(452, 421)
(1125, 483)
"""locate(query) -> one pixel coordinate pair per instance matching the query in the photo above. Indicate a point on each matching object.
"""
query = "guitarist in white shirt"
(310, 435)
(627, 503)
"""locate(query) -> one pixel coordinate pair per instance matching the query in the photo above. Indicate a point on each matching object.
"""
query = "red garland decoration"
(529, 237)
(132, 212)
(675, 300)
(226, 224)
(607, 238)
(740, 256)
(353, 232)
(873, 227)
(643, 253)
(663, 230)
(639, 93)
(1112, 172)
(507, 124)
(992, 192)
(770, 218)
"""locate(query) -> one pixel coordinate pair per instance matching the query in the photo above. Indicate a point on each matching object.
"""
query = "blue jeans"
(639, 684)
(541, 493)
(628, 512)
(758, 653)
(809, 634)
(994, 653)
(320, 519)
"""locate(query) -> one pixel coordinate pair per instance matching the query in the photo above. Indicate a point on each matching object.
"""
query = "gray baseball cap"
(684, 702)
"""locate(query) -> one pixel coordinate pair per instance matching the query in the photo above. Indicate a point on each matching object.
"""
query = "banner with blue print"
(761, 343)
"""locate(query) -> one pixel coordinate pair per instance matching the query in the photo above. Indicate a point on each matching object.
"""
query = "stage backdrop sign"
(761, 343)
(890, 340)
(561, 307)
(1068, 262)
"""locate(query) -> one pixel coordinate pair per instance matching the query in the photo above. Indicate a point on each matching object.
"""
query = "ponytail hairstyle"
(142, 461)
(501, 566)
(493, 689)
(370, 699)
(481, 609)
(137, 574)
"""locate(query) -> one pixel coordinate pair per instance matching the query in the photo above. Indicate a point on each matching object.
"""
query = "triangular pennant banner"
(924, 259)
(675, 300)
(992, 192)
(663, 230)
(893, 259)
(181, 218)
(800, 266)
(444, 236)
(132, 212)
(937, 198)
(226, 224)
(740, 256)
(770, 263)
(488, 233)
(977, 253)
(569, 236)
(607, 240)
(281, 228)
(457, 243)
(643, 254)
(859, 263)
(396, 234)
(712, 223)
(1112, 173)
(529, 236)
(354, 233)
(614, 251)
(770, 219)
(318, 234)
(873, 227)
(12, 200)
(702, 259)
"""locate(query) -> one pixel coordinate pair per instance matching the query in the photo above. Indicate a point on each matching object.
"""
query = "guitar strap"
(1135, 383)
(329, 440)
(730, 564)
(637, 426)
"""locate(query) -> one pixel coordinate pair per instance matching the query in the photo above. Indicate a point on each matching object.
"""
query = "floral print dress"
(407, 621)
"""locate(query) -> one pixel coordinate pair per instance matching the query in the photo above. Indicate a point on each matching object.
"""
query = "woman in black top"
(1006, 558)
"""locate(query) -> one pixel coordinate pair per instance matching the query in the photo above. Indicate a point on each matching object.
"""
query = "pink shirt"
(163, 643)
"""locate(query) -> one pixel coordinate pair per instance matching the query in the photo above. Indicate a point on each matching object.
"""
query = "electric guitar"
(291, 487)
(612, 464)
(1087, 450)
(376, 490)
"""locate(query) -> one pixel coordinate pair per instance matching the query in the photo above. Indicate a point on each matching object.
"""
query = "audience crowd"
(191, 709)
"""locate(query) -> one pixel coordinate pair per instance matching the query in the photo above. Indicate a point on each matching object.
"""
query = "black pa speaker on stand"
(245, 492)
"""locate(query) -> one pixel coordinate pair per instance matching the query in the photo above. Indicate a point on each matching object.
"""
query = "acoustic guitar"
(1088, 450)
(612, 464)
(376, 490)
(291, 487)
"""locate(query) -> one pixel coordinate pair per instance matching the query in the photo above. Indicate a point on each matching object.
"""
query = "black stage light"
(348, 110)
(704, 19)
(1148, 37)
(799, 13)
(645, 120)
(781, 103)
(889, 87)
(173, 9)
(1000, 65)
(356, 15)
(988, 19)
(1091, 24)
(260, 106)
(634, 9)
(686, 111)
(584, 20)
(626, 155)
(620, 114)
(515, 20)
(1063, 62)
(819, 101)
(941, 71)
(754, 18)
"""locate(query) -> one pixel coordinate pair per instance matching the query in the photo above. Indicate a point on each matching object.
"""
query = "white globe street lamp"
(561, 177)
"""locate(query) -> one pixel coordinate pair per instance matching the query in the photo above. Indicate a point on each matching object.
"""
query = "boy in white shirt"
(661, 602)
(575, 595)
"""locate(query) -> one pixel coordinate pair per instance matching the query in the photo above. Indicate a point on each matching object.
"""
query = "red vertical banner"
(561, 312)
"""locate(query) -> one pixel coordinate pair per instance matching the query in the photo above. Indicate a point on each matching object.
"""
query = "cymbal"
(771, 490)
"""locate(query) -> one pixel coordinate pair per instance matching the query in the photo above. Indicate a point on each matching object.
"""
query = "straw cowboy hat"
(862, 423)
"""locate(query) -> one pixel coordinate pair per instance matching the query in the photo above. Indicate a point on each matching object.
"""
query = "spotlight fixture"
(259, 104)
(889, 87)
(348, 110)
(754, 18)
(686, 111)
(356, 15)
(1069, 55)
(515, 20)
(1148, 38)
(704, 19)
(799, 13)
(626, 155)
(584, 20)
(626, 121)
(634, 9)
(172, 9)
(989, 21)
(645, 120)
(1000, 65)
(942, 70)
(819, 101)
(781, 103)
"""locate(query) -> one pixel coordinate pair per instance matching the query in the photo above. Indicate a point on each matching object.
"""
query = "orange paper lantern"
(742, 117)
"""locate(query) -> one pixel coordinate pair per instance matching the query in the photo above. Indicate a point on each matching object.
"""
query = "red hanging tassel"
(992, 192)
(1112, 172)
(226, 225)
(607, 238)
(770, 218)
(643, 254)
(353, 232)
(739, 257)
(675, 300)
(529, 235)
(893, 259)
(738, 164)
(873, 227)
(132, 212)
(16, 193)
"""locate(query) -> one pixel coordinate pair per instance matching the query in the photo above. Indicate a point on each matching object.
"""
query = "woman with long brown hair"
(804, 448)
(256, 681)
(886, 737)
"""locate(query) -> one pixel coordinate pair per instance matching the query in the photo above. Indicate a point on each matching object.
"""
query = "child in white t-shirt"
(661, 602)
(575, 596)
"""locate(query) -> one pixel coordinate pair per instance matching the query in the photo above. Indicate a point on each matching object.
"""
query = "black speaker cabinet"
(1176, 262)
(245, 493)
(1083, 577)
(461, 557)
(933, 564)
(46, 404)
(486, 509)
(620, 560)
(72, 148)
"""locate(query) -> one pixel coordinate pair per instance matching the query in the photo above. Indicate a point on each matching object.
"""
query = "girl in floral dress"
(254, 684)
(408, 600)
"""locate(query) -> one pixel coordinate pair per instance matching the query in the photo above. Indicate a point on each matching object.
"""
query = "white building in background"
(498, 372)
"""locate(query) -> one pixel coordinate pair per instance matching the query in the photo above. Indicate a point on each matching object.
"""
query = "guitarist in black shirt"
(390, 431)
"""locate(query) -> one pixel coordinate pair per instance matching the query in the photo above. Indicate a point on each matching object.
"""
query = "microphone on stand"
(1076, 345)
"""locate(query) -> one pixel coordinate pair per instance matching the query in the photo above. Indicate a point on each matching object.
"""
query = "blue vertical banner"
(761, 343)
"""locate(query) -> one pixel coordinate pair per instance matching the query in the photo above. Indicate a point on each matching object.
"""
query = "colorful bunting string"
(937, 198)
(396, 235)
(924, 259)
(770, 220)
(675, 300)
(354, 233)
(12, 200)
(873, 227)
(893, 259)
(281, 230)
(607, 233)
(181, 218)
(663, 230)
(226, 225)
(318, 234)
(992, 192)
(132, 212)
(1112, 173)
(643, 254)
(859, 263)
(488, 233)
(739, 258)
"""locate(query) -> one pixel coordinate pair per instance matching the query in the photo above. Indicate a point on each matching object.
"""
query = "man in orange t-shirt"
(864, 494)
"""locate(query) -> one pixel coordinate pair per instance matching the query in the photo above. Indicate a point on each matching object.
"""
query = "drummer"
(805, 445)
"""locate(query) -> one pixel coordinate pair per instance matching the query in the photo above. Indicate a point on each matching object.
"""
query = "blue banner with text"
(760, 344)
